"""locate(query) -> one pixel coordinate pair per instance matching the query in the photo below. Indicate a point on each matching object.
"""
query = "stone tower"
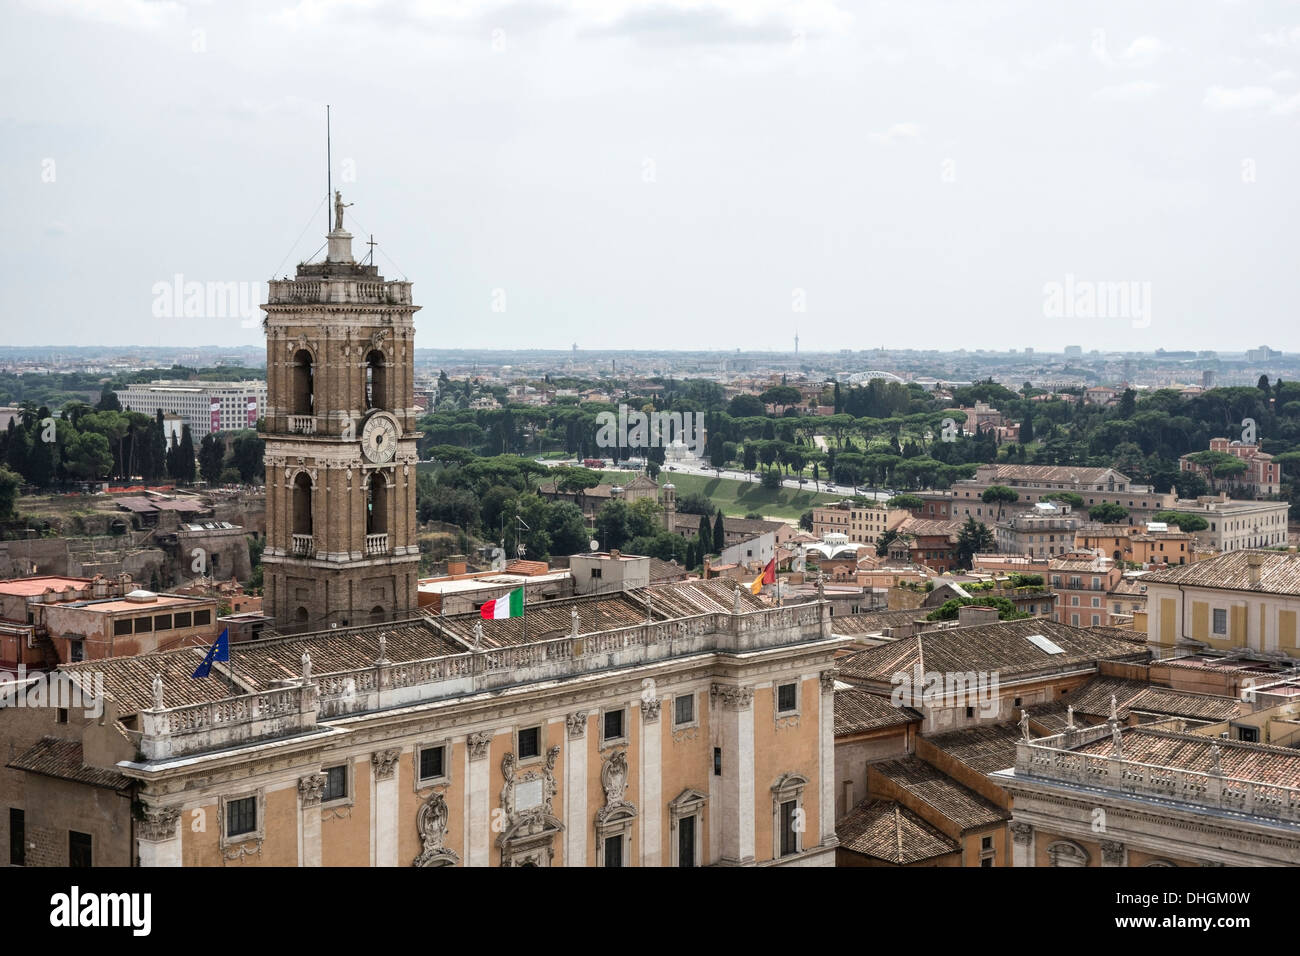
(340, 444)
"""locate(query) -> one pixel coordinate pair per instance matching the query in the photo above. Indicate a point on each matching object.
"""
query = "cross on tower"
(371, 244)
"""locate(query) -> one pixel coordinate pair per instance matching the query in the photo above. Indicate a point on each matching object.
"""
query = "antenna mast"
(329, 169)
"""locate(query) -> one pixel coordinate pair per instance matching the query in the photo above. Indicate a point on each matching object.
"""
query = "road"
(706, 472)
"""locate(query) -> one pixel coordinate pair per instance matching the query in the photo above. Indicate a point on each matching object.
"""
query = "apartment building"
(862, 524)
(1082, 582)
(1034, 482)
(1045, 530)
(1262, 477)
(1235, 525)
(204, 406)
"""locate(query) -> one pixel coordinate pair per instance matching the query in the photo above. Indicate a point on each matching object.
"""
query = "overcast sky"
(663, 174)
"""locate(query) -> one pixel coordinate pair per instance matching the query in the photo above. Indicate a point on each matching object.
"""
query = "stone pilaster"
(383, 807)
(158, 837)
(310, 790)
(733, 708)
(478, 804)
(575, 790)
(651, 783)
(1022, 844)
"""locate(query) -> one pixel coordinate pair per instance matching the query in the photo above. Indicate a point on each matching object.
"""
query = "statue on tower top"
(339, 206)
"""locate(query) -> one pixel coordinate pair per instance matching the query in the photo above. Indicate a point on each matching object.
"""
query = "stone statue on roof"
(1114, 708)
(1069, 717)
(339, 206)
(306, 667)
(478, 634)
(1024, 725)
(157, 692)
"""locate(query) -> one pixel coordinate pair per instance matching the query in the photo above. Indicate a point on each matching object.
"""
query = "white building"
(204, 406)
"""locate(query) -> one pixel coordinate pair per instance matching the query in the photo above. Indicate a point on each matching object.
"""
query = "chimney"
(969, 615)
(1254, 566)
(456, 564)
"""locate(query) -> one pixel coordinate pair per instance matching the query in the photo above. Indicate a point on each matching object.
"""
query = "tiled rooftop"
(858, 711)
(984, 748)
(1003, 646)
(54, 757)
(964, 807)
(885, 830)
(1279, 573)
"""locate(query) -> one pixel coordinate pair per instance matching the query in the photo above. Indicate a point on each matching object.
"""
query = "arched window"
(1065, 853)
(377, 504)
(376, 614)
(302, 504)
(300, 616)
(376, 380)
(303, 384)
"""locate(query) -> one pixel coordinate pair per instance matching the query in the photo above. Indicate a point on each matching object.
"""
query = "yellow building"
(686, 725)
(1241, 599)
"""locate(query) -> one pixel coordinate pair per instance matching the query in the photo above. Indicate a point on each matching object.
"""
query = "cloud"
(898, 133)
(138, 14)
(1126, 92)
(1141, 52)
(1224, 99)
(1287, 37)
(1048, 57)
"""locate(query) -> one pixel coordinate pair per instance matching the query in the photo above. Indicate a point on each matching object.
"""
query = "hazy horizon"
(683, 176)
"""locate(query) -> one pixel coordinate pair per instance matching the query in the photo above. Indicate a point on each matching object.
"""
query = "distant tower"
(796, 343)
(669, 495)
(340, 443)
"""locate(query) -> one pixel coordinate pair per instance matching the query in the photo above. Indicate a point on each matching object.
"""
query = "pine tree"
(185, 470)
(705, 534)
(719, 533)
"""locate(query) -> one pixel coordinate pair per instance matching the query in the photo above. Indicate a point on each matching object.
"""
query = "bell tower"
(340, 443)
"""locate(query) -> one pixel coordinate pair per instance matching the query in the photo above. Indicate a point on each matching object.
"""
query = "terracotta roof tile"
(885, 830)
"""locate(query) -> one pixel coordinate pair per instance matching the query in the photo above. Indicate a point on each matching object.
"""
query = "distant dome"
(859, 377)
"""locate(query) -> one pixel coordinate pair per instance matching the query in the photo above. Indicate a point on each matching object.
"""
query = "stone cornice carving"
(731, 697)
(613, 779)
(431, 821)
(159, 824)
(576, 723)
(385, 763)
(311, 788)
(1112, 853)
(478, 745)
(828, 677)
(650, 709)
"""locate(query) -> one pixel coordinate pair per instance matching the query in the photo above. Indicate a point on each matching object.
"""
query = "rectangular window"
(613, 725)
(684, 709)
(1220, 621)
(17, 837)
(61, 717)
(241, 816)
(789, 839)
(986, 843)
(163, 622)
(717, 761)
(336, 783)
(1248, 735)
(614, 850)
(202, 617)
(143, 625)
(530, 742)
(787, 698)
(432, 764)
(183, 620)
(686, 841)
(121, 626)
(79, 853)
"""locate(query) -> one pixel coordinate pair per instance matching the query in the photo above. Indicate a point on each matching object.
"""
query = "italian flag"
(512, 605)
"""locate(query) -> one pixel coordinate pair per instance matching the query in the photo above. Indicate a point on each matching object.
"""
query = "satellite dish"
(594, 544)
(498, 559)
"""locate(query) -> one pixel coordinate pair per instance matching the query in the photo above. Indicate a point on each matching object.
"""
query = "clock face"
(379, 438)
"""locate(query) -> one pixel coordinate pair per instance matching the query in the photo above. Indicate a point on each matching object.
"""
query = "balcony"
(302, 545)
(376, 544)
(302, 424)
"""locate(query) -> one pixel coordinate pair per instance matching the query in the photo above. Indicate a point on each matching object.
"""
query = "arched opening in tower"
(377, 504)
(376, 380)
(302, 504)
(303, 384)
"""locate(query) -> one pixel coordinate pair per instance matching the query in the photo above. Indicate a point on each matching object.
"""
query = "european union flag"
(220, 651)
